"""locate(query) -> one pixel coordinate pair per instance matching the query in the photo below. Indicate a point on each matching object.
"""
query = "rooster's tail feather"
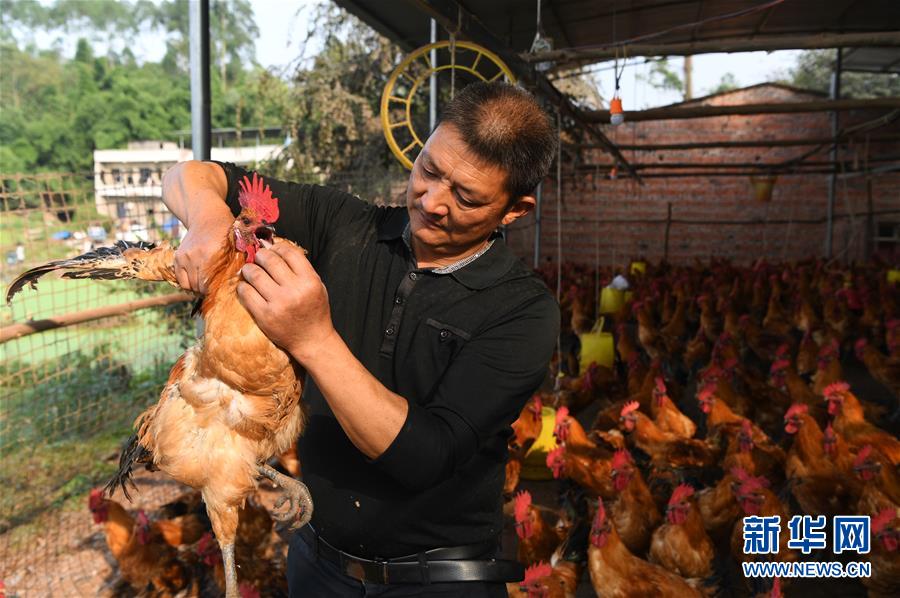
(123, 260)
(133, 453)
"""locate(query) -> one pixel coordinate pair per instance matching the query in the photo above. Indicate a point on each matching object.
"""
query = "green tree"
(663, 76)
(726, 83)
(813, 71)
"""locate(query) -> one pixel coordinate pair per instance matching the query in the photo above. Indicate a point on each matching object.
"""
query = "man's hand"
(287, 299)
(200, 245)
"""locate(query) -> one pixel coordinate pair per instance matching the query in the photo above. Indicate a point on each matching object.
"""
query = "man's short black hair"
(504, 125)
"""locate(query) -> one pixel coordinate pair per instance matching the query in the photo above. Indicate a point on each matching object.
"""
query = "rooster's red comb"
(862, 455)
(629, 407)
(796, 409)
(620, 458)
(523, 501)
(257, 196)
(882, 519)
(561, 414)
(837, 388)
(681, 492)
(536, 572)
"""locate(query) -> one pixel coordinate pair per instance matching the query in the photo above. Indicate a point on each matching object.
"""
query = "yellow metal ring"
(388, 97)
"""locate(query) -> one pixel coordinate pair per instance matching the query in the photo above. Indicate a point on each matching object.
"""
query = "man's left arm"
(483, 391)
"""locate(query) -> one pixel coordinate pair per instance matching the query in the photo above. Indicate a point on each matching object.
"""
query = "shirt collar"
(479, 273)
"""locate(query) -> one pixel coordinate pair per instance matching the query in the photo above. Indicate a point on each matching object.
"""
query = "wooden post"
(870, 222)
(668, 227)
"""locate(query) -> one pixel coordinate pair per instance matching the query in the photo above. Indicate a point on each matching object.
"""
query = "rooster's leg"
(231, 582)
(296, 494)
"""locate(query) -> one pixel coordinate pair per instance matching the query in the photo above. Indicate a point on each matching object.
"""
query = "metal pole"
(201, 134)
(432, 82)
(832, 181)
(537, 225)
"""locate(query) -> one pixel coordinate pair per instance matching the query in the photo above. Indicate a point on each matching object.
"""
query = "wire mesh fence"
(70, 393)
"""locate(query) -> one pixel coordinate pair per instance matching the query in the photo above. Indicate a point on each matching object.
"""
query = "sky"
(282, 21)
(283, 26)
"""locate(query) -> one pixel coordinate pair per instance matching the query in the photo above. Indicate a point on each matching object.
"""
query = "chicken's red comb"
(681, 492)
(257, 196)
(862, 455)
(837, 388)
(796, 409)
(860, 343)
(621, 457)
(740, 474)
(882, 519)
(600, 518)
(537, 571)
(523, 501)
(776, 588)
(778, 365)
(536, 405)
(829, 431)
(629, 407)
(660, 384)
(561, 414)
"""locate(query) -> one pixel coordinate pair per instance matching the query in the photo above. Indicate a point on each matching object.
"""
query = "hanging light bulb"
(616, 114)
(541, 43)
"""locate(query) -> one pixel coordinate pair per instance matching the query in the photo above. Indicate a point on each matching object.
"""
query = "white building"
(128, 182)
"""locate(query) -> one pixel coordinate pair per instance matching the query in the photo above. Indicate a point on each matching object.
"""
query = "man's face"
(454, 199)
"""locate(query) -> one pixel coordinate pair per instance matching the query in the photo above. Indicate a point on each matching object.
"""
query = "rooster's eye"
(245, 221)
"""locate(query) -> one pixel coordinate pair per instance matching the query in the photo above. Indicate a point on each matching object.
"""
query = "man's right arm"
(195, 193)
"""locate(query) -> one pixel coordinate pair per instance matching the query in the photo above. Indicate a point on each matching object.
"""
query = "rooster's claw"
(295, 493)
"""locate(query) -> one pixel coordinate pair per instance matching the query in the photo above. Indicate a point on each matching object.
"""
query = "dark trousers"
(310, 577)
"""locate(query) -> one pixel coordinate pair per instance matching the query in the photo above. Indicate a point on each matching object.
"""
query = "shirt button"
(398, 300)
(413, 275)
(445, 334)
(389, 331)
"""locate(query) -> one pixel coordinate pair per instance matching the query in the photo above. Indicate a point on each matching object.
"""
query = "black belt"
(439, 565)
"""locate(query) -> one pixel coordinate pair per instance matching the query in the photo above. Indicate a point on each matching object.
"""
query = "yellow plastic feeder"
(893, 276)
(535, 465)
(611, 300)
(638, 268)
(597, 347)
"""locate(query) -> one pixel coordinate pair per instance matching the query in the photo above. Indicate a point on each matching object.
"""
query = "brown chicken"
(682, 545)
(545, 581)
(665, 450)
(142, 553)
(617, 573)
(634, 512)
(851, 423)
(882, 368)
(228, 406)
(667, 416)
(885, 579)
(527, 427)
(538, 538)
(591, 473)
(869, 466)
(755, 499)
(816, 482)
(718, 505)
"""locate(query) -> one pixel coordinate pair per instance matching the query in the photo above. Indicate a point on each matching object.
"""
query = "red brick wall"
(590, 211)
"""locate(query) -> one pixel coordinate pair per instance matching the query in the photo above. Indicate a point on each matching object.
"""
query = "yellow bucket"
(638, 267)
(596, 347)
(893, 276)
(535, 465)
(611, 300)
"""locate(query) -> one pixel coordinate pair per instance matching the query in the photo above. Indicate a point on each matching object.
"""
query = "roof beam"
(454, 17)
(653, 147)
(742, 44)
(681, 112)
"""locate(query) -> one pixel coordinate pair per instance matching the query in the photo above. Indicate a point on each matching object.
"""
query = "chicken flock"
(770, 389)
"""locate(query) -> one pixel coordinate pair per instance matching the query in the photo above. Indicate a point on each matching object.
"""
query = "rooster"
(537, 537)
(617, 573)
(144, 555)
(232, 401)
(850, 421)
(682, 545)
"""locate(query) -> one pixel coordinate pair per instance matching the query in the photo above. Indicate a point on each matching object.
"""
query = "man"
(423, 337)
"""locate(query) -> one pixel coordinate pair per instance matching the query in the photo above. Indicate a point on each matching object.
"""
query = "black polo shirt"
(466, 349)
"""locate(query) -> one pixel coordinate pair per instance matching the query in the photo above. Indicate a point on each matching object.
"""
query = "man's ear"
(521, 207)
